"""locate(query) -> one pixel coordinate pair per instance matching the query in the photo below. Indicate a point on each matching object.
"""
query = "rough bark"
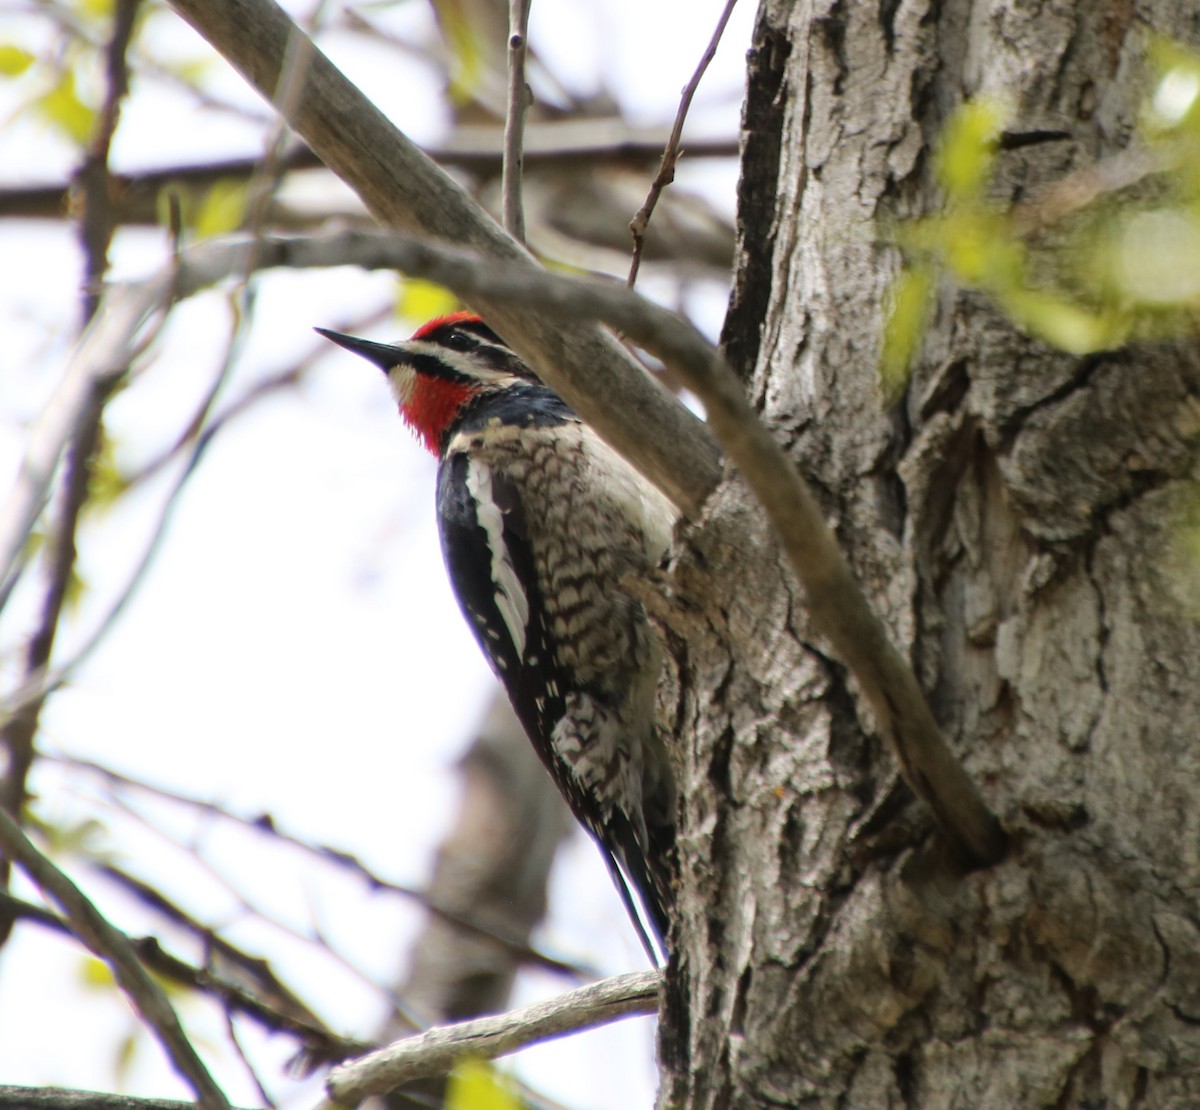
(1012, 519)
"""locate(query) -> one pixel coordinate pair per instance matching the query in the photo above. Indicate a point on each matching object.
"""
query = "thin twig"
(96, 231)
(265, 825)
(114, 948)
(248, 1067)
(44, 681)
(437, 1051)
(317, 1039)
(670, 155)
(519, 99)
(478, 149)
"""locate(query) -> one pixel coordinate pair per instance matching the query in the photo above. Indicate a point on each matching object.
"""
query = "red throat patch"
(433, 405)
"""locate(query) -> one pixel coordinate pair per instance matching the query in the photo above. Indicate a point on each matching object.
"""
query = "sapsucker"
(542, 527)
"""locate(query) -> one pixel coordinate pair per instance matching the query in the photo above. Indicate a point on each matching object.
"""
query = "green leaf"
(904, 328)
(981, 250)
(967, 153)
(14, 61)
(422, 300)
(475, 1085)
(107, 481)
(126, 1052)
(1062, 323)
(95, 975)
(87, 837)
(1154, 258)
(1173, 106)
(63, 108)
(222, 209)
(462, 38)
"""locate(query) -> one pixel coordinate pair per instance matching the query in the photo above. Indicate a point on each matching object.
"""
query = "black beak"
(382, 354)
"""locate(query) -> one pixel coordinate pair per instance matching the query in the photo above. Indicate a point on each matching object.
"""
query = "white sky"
(295, 649)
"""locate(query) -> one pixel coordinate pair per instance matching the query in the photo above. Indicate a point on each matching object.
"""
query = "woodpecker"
(542, 524)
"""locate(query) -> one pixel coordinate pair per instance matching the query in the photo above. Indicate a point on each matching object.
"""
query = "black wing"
(506, 615)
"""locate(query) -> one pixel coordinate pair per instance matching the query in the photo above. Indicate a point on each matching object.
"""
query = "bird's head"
(446, 364)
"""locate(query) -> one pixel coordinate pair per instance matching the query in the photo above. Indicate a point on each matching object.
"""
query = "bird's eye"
(458, 341)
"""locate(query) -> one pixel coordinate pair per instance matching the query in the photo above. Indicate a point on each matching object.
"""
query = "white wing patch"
(510, 594)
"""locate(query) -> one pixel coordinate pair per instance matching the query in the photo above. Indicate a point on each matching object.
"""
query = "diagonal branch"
(671, 152)
(115, 949)
(320, 1042)
(96, 230)
(407, 192)
(437, 1051)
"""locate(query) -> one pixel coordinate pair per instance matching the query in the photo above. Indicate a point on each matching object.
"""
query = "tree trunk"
(1012, 518)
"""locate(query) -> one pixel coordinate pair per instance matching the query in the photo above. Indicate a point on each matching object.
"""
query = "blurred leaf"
(904, 328)
(76, 588)
(462, 38)
(1174, 103)
(63, 108)
(967, 153)
(222, 209)
(87, 838)
(126, 1051)
(95, 975)
(107, 481)
(1068, 326)
(422, 300)
(193, 70)
(14, 61)
(1154, 257)
(475, 1085)
(981, 249)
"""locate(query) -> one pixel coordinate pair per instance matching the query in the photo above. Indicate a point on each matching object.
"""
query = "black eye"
(458, 341)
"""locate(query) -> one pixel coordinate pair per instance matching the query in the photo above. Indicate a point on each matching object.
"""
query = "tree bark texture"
(1013, 518)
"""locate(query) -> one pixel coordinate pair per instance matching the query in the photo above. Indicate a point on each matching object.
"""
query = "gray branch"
(115, 949)
(437, 1051)
(60, 1098)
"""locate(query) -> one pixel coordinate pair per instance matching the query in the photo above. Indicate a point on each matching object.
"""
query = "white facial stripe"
(402, 380)
(510, 595)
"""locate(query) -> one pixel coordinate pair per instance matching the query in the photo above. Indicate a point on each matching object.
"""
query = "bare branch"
(406, 191)
(59, 1098)
(437, 1051)
(519, 98)
(477, 149)
(95, 231)
(115, 949)
(319, 1042)
(516, 947)
(670, 155)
